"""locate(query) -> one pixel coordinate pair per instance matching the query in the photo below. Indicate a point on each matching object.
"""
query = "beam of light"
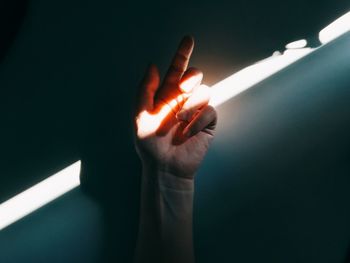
(40, 194)
(335, 29)
(187, 85)
(249, 76)
(297, 44)
(148, 123)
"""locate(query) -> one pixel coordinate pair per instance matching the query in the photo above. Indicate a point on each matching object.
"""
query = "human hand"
(174, 123)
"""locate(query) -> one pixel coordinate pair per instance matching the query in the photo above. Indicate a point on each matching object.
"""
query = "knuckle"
(176, 67)
(180, 62)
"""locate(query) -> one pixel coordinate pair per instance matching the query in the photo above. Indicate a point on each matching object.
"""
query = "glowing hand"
(174, 123)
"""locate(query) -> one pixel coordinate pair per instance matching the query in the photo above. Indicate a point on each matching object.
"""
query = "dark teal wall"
(275, 185)
(66, 90)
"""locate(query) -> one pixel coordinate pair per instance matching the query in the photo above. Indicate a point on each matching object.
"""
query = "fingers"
(198, 99)
(180, 61)
(191, 79)
(174, 97)
(170, 89)
(148, 88)
(205, 120)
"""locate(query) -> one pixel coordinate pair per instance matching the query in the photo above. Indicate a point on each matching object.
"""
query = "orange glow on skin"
(188, 84)
(148, 123)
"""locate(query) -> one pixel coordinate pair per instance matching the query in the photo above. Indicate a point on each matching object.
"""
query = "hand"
(174, 123)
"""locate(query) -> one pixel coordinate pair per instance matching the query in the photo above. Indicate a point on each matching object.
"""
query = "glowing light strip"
(297, 44)
(335, 29)
(67, 179)
(39, 195)
(249, 76)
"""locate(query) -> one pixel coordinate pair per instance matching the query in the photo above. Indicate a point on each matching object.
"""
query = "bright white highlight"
(67, 179)
(249, 76)
(39, 195)
(148, 123)
(188, 85)
(335, 29)
(297, 44)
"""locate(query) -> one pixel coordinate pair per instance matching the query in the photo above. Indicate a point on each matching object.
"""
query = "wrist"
(162, 177)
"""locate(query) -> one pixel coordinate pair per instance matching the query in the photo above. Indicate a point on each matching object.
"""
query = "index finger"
(180, 61)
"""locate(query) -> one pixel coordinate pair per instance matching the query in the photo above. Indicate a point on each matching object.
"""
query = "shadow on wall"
(67, 89)
(12, 13)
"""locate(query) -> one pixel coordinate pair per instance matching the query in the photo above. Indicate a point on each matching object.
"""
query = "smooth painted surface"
(275, 185)
(266, 191)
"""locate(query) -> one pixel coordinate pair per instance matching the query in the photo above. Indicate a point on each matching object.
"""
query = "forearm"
(165, 233)
(149, 236)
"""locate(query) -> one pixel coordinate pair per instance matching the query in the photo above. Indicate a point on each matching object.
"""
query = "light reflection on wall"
(67, 179)
(249, 76)
(335, 29)
(39, 195)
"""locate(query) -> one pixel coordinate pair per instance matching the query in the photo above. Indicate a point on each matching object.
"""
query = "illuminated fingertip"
(204, 89)
(186, 88)
(189, 84)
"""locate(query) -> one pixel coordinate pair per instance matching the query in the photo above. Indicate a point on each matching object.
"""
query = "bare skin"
(173, 131)
(179, 145)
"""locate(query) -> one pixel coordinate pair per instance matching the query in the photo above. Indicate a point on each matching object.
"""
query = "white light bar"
(335, 29)
(67, 179)
(39, 195)
(249, 76)
(297, 44)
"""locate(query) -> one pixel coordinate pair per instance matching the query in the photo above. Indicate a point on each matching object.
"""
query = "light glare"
(249, 76)
(335, 29)
(148, 123)
(39, 195)
(297, 44)
(189, 84)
